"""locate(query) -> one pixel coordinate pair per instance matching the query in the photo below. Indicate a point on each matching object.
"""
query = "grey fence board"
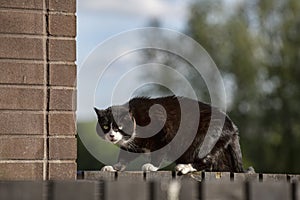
(157, 186)
(165, 175)
(217, 176)
(87, 190)
(269, 190)
(136, 190)
(159, 190)
(228, 191)
(274, 177)
(189, 190)
(99, 175)
(130, 176)
(241, 177)
(293, 178)
(297, 192)
(21, 190)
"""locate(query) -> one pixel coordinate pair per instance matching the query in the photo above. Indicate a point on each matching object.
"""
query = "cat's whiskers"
(130, 140)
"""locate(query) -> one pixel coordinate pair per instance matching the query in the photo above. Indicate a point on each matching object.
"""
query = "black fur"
(225, 155)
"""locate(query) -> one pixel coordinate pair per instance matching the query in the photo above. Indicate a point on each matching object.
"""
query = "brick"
(30, 4)
(21, 98)
(62, 148)
(62, 50)
(62, 171)
(21, 123)
(62, 25)
(21, 48)
(21, 171)
(62, 99)
(63, 6)
(21, 22)
(62, 124)
(63, 75)
(22, 73)
(21, 148)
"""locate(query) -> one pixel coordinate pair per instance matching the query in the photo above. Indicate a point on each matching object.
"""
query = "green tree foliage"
(257, 45)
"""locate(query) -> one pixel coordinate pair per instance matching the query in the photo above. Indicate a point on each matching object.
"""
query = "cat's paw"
(184, 168)
(148, 167)
(108, 168)
(119, 167)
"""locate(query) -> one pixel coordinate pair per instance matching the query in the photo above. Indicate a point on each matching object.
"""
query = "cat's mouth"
(114, 137)
(112, 140)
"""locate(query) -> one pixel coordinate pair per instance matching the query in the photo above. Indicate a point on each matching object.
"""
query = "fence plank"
(189, 190)
(269, 190)
(165, 175)
(130, 176)
(99, 175)
(61, 190)
(274, 177)
(225, 191)
(293, 178)
(161, 189)
(126, 190)
(297, 192)
(217, 176)
(21, 190)
(241, 177)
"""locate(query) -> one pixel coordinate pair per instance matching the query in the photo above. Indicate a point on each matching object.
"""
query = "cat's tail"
(236, 154)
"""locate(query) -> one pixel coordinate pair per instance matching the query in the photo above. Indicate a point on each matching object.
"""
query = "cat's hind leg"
(108, 168)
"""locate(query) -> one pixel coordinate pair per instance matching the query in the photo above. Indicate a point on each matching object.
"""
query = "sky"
(99, 20)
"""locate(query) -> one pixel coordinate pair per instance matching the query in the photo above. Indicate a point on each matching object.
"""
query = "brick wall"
(37, 89)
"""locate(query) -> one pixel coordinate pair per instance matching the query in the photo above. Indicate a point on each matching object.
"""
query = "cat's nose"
(111, 135)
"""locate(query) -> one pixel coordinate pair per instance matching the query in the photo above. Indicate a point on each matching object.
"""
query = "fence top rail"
(163, 186)
(197, 176)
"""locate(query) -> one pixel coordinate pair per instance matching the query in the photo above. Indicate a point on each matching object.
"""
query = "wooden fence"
(163, 185)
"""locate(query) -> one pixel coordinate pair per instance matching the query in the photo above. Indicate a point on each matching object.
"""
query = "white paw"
(185, 168)
(108, 168)
(149, 167)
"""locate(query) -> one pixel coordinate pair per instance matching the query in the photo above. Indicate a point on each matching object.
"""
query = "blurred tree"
(257, 44)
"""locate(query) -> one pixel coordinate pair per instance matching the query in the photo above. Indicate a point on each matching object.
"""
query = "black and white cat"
(151, 125)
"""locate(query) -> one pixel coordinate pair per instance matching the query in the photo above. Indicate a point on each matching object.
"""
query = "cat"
(151, 125)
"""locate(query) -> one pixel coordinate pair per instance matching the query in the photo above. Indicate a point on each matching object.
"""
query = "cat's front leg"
(148, 167)
(120, 166)
(124, 158)
(156, 160)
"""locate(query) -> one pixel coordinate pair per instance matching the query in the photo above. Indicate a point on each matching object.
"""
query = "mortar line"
(47, 98)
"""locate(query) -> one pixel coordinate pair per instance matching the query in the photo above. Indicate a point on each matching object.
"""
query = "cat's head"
(115, 124)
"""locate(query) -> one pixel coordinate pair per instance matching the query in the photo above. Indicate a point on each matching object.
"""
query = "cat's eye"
(105, 127)
(120, 127)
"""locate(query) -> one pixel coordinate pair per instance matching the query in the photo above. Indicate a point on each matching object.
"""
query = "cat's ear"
(100, 113)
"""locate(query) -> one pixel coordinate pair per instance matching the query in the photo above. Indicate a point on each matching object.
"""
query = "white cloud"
(138, 8)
